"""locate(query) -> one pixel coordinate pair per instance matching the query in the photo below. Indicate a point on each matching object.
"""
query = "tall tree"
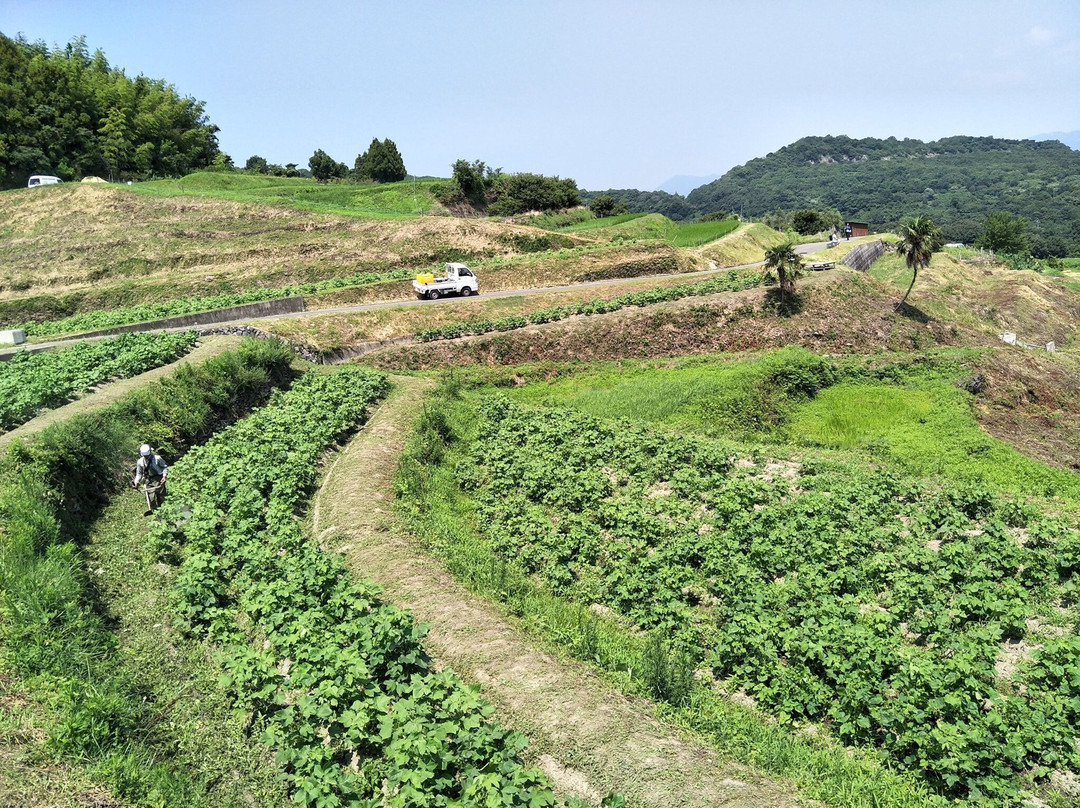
(381, 162)
(919, 239)
(1003, 233)
(786, 263)
(324, 167)
(70, 113)
(116, 143)
(471, 179)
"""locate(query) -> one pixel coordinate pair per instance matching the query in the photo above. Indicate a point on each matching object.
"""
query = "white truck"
(457, 279)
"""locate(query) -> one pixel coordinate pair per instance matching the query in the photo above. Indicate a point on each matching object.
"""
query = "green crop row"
(144, 312)
(730, 282)
(56, 642)
(30, 382)
(937, 626)
(339, 679)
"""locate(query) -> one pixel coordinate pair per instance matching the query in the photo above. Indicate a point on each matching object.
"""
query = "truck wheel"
(466, 292)
(433, 294)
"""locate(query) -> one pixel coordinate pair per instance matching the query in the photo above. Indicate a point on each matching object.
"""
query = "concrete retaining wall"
(266, 308)
(340, 355)
(861, 257)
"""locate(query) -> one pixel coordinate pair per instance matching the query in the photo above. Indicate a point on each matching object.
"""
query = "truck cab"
(456, 279)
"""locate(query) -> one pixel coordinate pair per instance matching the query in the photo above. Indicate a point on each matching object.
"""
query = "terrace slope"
(590, 739)
(85, 247)
(1029, 398)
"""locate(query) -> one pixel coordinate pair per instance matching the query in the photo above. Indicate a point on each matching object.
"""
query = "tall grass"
(917, 417)
(602, 223)
(929, 429)
(695, 234)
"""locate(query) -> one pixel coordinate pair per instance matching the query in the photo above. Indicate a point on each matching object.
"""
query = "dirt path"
(112, 392)
(587, 737)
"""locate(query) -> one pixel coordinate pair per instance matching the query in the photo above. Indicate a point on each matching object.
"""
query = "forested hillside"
(955, 181)
(67, 112)
(671, 205)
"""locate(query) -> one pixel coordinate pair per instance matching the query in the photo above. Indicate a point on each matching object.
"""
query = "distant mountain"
(955, 181)
(1070, 139)
(683, 184)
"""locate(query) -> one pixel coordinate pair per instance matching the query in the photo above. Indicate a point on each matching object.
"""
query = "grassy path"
(112, 392)
(28, 777)
(587, 737)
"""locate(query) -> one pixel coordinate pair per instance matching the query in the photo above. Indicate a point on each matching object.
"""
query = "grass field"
(653, 225)
(392, 200)
(922, 421)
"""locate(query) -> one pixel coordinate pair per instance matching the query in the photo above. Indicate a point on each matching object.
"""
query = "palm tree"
(919, 238)
(786, 262)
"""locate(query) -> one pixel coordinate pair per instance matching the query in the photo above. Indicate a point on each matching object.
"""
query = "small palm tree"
(919, 238)
(786, 262)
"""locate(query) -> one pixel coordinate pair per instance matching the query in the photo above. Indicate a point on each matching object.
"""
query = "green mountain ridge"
(955, 181)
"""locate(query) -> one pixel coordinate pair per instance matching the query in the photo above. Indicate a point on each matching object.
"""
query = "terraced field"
(660, 540)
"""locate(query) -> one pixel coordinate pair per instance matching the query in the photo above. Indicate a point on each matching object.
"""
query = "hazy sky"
(614, 94)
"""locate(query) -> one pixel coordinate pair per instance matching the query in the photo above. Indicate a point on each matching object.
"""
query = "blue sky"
(614, 94)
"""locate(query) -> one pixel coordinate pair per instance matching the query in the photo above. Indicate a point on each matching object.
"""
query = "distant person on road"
(847, 232)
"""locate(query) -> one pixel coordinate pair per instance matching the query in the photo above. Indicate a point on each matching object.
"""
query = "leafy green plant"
(30, 382)
(860, 600)
(50, 632)
(189, 305)
(350, 702)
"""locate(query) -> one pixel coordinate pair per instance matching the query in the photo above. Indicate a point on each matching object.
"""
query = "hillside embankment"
(1028, 398)
(77, 249)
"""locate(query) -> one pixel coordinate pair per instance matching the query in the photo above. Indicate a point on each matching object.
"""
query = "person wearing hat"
(152, 468)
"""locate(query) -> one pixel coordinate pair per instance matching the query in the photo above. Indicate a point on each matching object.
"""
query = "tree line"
(69, 113)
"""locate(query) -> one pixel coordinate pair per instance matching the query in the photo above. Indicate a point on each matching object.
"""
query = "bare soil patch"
(589, 738)
(1032, 401)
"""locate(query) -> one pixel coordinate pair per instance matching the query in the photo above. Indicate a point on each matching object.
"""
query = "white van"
(42, 179)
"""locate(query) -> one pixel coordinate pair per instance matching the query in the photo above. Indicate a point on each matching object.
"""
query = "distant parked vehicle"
(42, 179)
(457, 279)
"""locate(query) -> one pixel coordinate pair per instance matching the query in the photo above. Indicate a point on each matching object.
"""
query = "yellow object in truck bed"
(425, 277)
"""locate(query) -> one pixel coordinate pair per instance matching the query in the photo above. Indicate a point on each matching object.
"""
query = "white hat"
(145, 450)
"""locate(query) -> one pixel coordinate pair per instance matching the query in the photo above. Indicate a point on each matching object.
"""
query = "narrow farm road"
(588, 738)
(112, 392)
(643, 281)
